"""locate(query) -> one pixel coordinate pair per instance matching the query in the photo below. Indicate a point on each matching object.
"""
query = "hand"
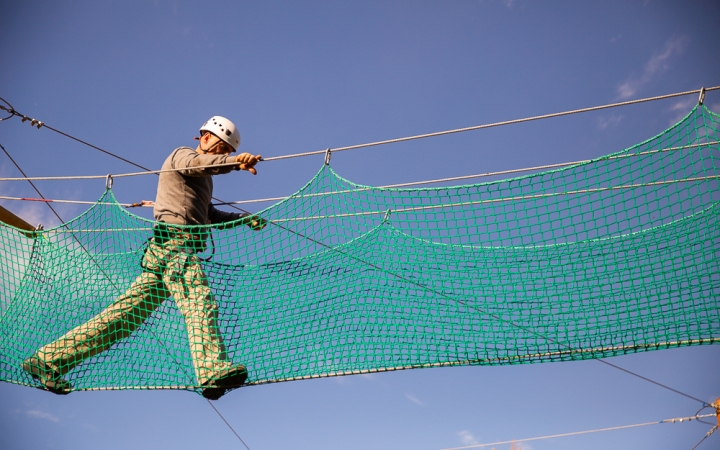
(256, 223)
(248, 161)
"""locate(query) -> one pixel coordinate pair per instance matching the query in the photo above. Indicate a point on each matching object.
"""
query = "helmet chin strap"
(205, 150)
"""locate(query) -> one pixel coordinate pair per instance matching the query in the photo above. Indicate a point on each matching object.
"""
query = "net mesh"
(613, 256)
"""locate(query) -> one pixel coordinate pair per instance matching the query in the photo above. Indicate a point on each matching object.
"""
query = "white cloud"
(658, 63)
(683, 105)
(628, 89)
(609, 121)
(509, 3)
(91, 427)
(36, 213)
(342, 380)
(37, 414)
(680, 108)
(414, 400)
(467, 438)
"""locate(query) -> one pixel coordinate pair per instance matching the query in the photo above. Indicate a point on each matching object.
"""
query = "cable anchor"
(701, 99)
(33, 122)
(9, 109)
(108, 182)
(328, 155)
(712, 430)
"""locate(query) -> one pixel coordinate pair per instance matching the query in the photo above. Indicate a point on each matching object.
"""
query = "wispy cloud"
(91, 427)
(37, 414)
(715, 107)
(35, 213)
(609, 121)
(414, 400)
(467, 438)
(342, 380)
(680, 108)
(658, 63)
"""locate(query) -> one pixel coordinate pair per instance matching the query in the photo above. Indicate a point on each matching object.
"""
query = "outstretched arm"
(223, 220)
(248, 161)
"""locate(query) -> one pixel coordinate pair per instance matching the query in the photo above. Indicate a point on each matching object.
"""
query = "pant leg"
(116, 322)
(188, 284)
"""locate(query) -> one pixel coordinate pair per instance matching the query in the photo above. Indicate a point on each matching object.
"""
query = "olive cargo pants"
(171, 267)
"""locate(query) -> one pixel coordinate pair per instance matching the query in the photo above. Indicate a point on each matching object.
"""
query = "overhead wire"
(707, 435)
(498, 200)
(144, 203)
(467, 177)
(31, 183)
(598, 430)
(376, 143)
(119, 175)
(705, 407)
(327, 152)
(147, 203)
(228, 424)
(345, 191)
(11, 115)
(704, 403)
(700, 91)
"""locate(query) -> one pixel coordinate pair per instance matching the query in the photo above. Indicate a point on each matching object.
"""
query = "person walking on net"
(170, 267)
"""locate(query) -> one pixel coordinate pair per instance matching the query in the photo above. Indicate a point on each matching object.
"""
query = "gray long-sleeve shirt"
(183, 197)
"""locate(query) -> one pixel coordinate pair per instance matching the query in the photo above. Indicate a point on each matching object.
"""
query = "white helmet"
(224, 129)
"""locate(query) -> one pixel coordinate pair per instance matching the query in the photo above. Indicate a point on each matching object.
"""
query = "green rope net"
(613, 256)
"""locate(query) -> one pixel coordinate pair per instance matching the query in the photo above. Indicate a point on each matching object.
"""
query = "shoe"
(50, 379)
(232, 377)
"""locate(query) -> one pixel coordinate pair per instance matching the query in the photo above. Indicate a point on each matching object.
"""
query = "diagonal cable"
(228, 424)
(707, 435)
(32, 184)
(599, 430)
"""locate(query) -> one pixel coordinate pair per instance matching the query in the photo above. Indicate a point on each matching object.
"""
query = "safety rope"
(498, 200)
(576, 433)
(700, 91)
(144, 203)
(149, 203)
(329, 151)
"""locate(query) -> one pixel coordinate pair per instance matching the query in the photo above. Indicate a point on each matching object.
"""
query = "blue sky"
(139, 77)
